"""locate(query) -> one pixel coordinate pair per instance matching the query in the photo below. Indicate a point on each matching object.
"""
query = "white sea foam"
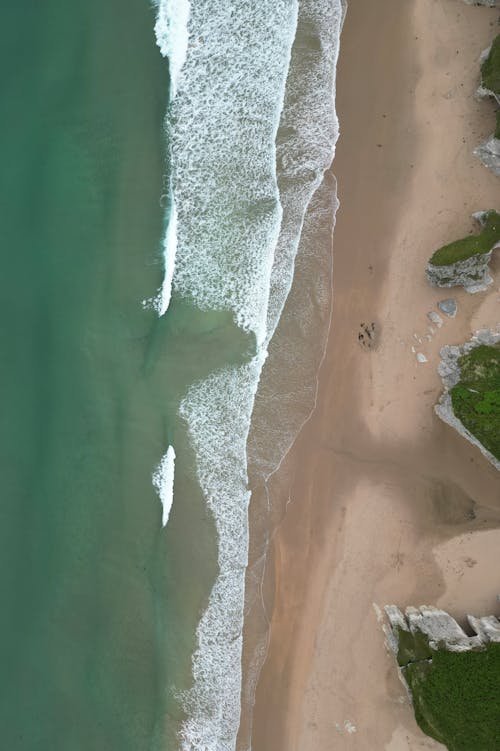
(218, 411)
(222, 129)
(163, 481)
(307, 137)
(306, 144)
(222, 140)
(169, 254)
(307, 134)
(172, 37)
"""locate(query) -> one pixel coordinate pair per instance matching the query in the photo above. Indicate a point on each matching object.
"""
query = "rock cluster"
(449, 371)
(441, 629)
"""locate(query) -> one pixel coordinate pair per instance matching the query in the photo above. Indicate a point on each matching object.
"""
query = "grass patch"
(470, 246)
(412, 647)
(490, 69)
(456, 698)
(497, 129)
(476, 398)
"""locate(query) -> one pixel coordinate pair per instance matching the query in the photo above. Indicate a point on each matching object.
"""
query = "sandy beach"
(390, 505)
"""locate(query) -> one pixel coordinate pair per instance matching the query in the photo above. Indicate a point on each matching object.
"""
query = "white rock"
(441, 629)
(489, 153)
(435, 318)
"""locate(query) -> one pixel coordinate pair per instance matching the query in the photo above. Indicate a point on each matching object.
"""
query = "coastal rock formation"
(471, 272)
(487, 60)
(440, 629)
(489, 153)
(449, 370)
(488, 3)
(452, 677)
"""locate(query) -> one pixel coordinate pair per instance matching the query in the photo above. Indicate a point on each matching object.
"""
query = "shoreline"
(386, 492)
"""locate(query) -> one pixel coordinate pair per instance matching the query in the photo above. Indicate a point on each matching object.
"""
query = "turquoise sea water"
(82, 162)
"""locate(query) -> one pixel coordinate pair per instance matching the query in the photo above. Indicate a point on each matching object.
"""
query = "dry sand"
(390, 505)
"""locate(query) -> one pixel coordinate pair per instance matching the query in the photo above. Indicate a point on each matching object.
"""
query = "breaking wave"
(163, 481)
(251, 130)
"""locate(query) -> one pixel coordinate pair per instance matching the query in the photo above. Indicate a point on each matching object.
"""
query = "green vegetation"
(455, 694)
(412, 647)
(490, 75)
(470, 246)
(490, 69)
(476, 398)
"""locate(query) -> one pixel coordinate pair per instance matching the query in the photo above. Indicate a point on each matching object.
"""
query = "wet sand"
(388, 504)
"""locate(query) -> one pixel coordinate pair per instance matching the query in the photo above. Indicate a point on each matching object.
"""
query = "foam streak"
(163, 481)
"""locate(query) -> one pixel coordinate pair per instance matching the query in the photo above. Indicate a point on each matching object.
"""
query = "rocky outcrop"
(488, 3)
(483, 89)
(489, 153)
(473, 273)
(449, 370)
(440, 629)
(451, 675)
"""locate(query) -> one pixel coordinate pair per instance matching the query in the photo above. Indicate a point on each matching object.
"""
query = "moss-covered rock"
(471, 400)
(465, 262)
(490, 70)
(453, 679)
(489, 151)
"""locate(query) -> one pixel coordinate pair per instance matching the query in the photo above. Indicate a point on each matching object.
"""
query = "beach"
(386, 503)
(179, 500)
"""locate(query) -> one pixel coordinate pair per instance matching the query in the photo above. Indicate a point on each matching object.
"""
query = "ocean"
(166, 296)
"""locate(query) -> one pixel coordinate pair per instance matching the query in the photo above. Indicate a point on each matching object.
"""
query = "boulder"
(449, 307)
